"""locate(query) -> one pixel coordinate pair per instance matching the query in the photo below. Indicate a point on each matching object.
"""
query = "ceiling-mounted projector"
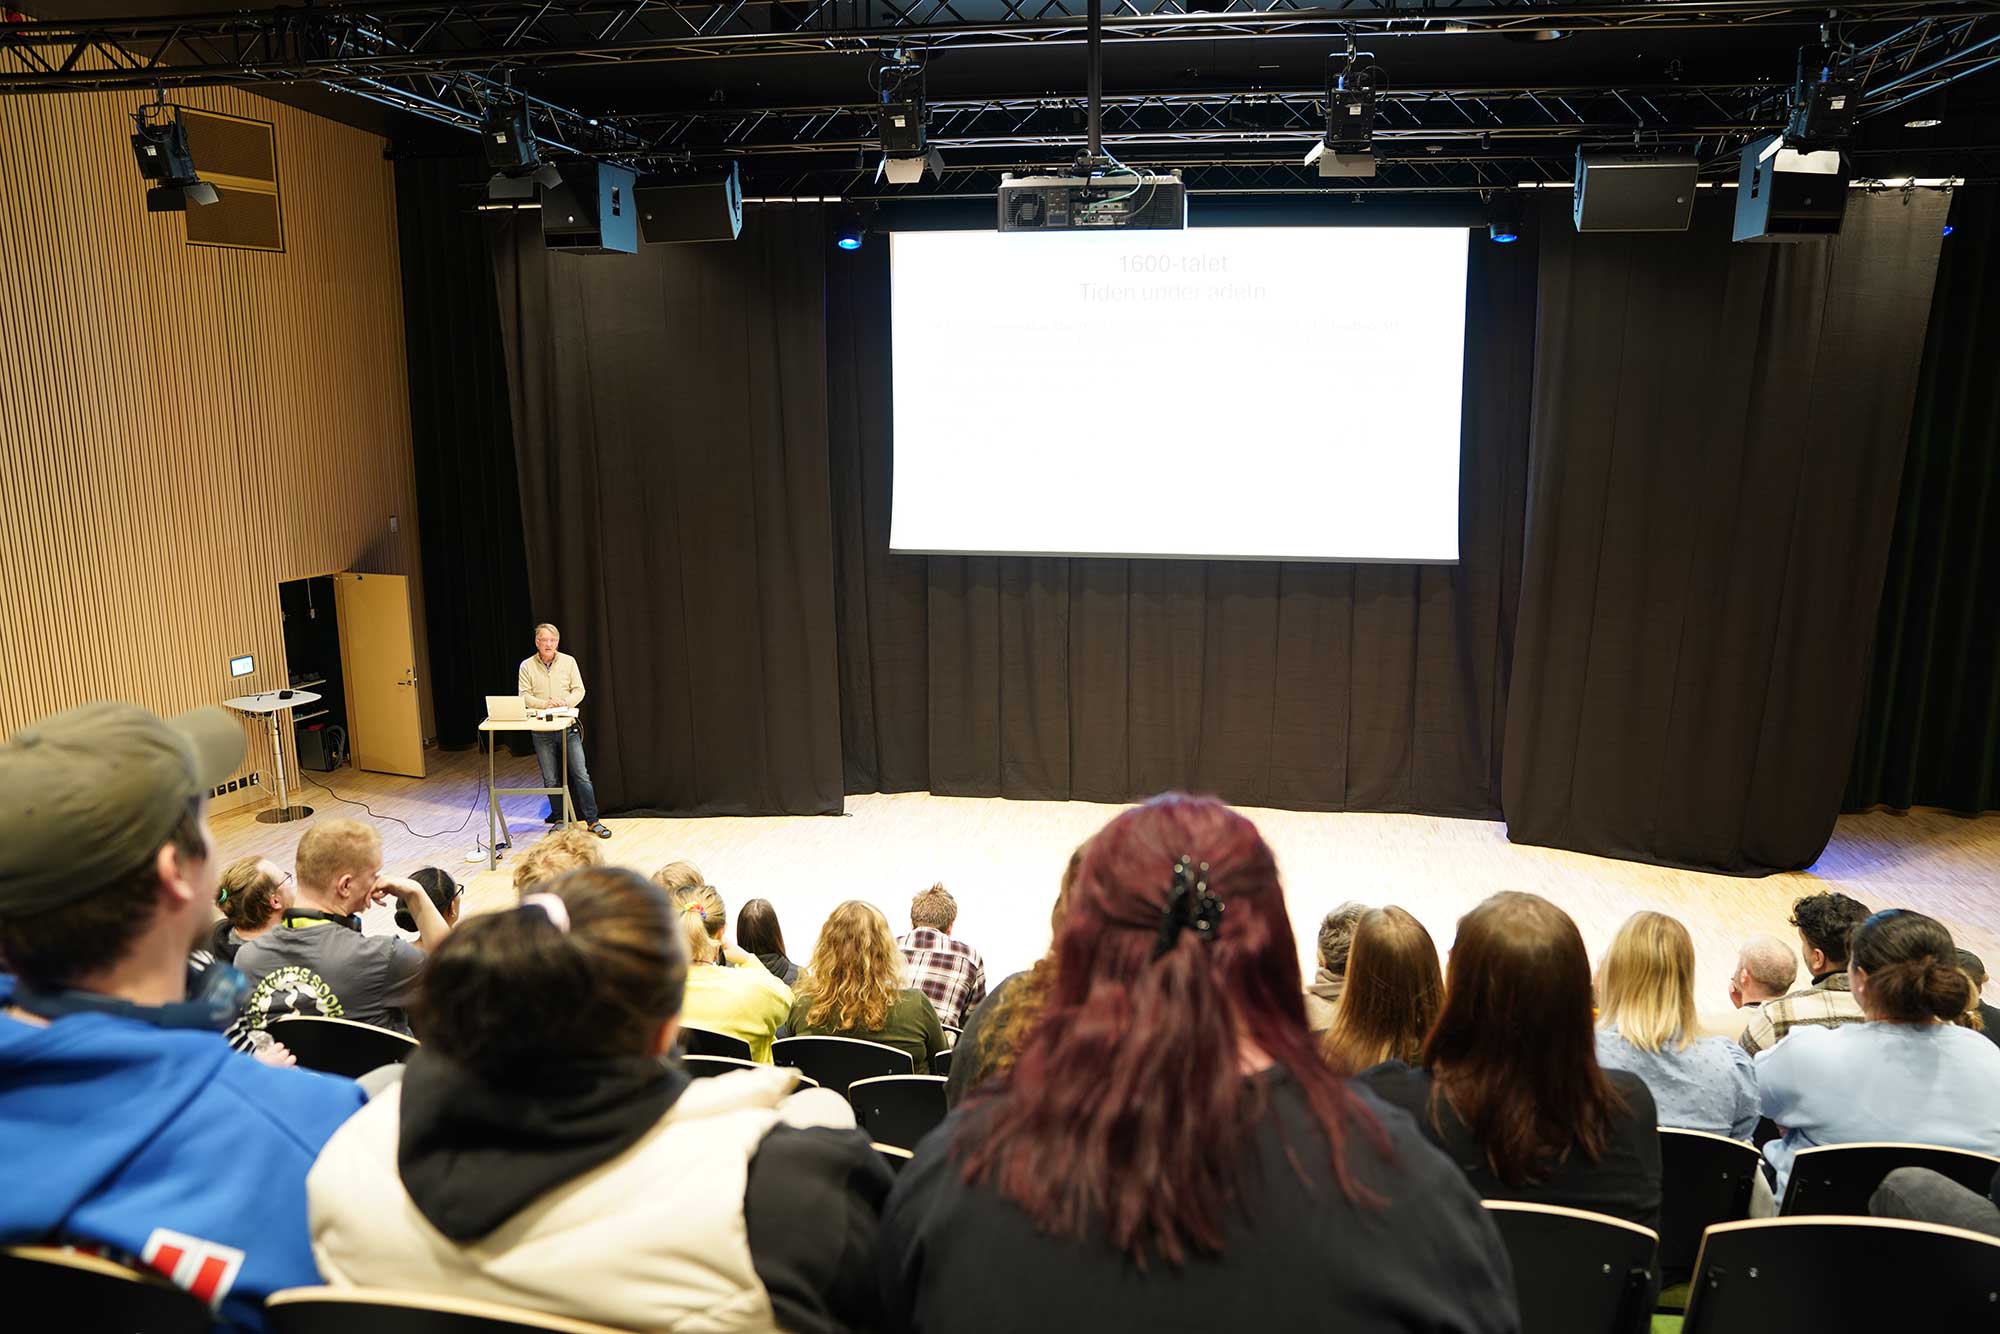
(1131, 200)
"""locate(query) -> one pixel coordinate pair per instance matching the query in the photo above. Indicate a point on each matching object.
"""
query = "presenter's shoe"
(601, 829)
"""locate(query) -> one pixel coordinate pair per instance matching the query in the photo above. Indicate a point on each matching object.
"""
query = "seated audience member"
(1509, 1085)
(558, 852)
(126, 1123)
(1169, 1152)
(316, 961)
(992, 1037)
(1336, 937)
(746, 1003)
(1825, 921)
(1766, 968)
(1646, 1025)
(1392, 994)
(949, 971)
(538, 1152)
(688, 885)
(253, 891)
(1923, 1196)
(444, 893)
(758, 933)
(1974, 967)
(853, 988)
(1907, 1074)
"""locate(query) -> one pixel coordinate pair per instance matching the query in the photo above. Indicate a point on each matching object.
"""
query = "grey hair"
(548, 627)
(1336, 935)
(1770, 962)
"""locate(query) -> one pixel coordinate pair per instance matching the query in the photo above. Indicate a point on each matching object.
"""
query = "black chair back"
(1839, 1178)
(1577, 1272)
(1705, 1179)
(941, 1063)
(837, 1062)
(701, 1042)
(951, 1035)
(377, 1311)
(1855, 1273)
(898, 1109)
(898, 1159)
(340, 1046)
(704, 1067)
(83, 1294)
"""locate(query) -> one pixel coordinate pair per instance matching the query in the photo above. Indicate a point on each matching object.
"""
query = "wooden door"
(378, 659)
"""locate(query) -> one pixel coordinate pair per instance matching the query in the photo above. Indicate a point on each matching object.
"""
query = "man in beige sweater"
(550, 680)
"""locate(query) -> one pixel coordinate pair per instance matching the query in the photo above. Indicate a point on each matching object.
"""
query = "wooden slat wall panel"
(182, 428)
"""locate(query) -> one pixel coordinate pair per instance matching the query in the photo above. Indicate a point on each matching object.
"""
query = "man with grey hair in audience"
(1336, 934)
(1766, 967)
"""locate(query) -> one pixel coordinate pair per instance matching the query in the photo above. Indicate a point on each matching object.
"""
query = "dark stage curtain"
(670, 420)
(468, 497)
(1311, 686)
(1930, 721)
(1719, 431)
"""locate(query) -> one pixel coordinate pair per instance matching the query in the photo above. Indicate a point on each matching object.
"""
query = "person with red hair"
(1168, 1150)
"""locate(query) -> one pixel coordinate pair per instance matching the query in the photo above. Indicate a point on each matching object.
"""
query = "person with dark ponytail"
(1168, 1150)
(1908, 1074)
(540, 1152)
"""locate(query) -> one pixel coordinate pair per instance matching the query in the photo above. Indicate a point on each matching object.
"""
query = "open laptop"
(506, 709)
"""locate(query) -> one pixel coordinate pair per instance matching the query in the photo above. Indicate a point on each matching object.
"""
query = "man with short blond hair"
(555, 853)
(551, 680)
(948, 971)
(316, 961)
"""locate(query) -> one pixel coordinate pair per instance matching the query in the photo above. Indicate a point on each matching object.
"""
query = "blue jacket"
(166, 1146)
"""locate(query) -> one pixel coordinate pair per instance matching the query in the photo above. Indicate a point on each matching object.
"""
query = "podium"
(270, 706)
(493, 793)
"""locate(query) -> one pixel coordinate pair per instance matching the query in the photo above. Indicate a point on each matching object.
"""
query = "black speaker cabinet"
(592, 212)
(1633, 192)
(1787, 196)
(705, 208)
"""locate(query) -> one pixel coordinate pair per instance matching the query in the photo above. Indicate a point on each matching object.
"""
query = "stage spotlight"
(1825, 100)
(903, 123)
(1348, 147)
(1949, 229)
(160, 146)
(509, 137)
(850, 227)
(1503, 218)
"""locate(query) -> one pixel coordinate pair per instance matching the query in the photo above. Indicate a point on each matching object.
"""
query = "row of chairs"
(1574, 1272)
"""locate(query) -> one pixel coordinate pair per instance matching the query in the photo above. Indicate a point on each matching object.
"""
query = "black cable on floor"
(442, 833)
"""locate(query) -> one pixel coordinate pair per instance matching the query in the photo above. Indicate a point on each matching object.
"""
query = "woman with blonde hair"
(1391, 997)
(853, 988)
(1646, 1025)
(744, 1002)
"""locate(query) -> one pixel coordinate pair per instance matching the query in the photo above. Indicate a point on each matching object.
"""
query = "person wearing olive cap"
(126, 1122)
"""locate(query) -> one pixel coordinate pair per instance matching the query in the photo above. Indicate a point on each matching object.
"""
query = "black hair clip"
(1189, 906)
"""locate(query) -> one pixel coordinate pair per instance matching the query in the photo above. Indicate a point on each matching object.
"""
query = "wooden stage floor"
(1001, 859)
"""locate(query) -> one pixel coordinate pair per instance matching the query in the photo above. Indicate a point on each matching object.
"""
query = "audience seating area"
(47, 1280)
(1840, 1178)
(340, 1046)
(837, 1062)
(1843, 1273)
(1577, 1272)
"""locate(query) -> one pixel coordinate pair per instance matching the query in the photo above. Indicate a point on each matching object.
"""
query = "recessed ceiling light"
(1923, 123)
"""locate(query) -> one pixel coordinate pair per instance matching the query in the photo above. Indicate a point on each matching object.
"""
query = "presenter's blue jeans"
(550, 761)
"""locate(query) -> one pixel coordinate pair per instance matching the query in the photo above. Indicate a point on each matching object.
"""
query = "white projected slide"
(1250, 393)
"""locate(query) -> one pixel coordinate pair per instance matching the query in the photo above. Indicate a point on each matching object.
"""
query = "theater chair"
(1839, 1178)
(340, 1046)
(837, 1062)
(898, 1159)
(898, 1109)
(1772, 1274)
(380, 1311)
(706, 1067)
(1577, 1272)
(1706, 1179)
(941, 1063)
(51, 1288)
(701, 1042)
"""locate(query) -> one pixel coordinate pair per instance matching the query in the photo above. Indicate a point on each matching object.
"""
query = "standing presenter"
(550, 680)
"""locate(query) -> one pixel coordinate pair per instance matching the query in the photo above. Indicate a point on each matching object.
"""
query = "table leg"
(492, 805)
(285, 811)
(569, 811)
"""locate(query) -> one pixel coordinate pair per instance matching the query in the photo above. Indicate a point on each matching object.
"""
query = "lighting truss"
(409, 38)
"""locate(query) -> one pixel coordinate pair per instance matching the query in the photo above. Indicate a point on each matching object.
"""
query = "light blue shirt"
(1707, 1085)
(1874, 1082)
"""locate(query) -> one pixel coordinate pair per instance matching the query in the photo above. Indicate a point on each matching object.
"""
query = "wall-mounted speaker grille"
(240, 159)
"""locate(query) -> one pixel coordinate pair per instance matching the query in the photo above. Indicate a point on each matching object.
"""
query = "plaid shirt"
(1827, 1003)
(949, 971)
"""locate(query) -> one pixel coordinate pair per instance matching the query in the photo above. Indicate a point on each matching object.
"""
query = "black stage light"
(509, 137)
(160, 147)
(1825, 100)
(1348, 146)
(850, 227)
(1503, 217)
(903, 123)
